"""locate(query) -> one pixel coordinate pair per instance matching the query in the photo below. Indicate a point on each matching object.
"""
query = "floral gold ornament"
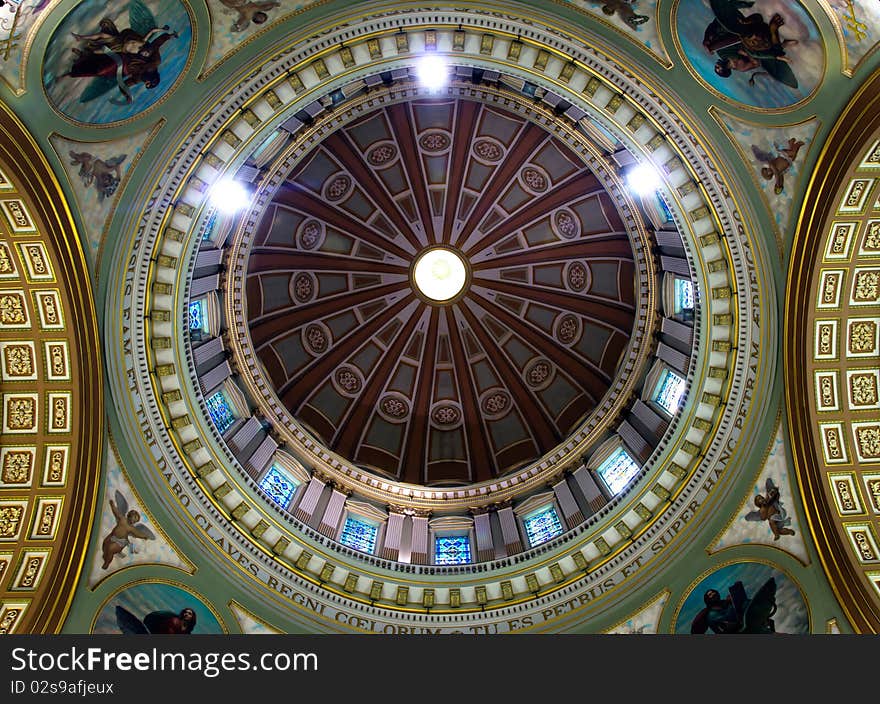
(17, 466)
(10, 520)
(20, 413)
(868, 441)
(12, 308)
(862, 337)
(866, 287)
(18, 361)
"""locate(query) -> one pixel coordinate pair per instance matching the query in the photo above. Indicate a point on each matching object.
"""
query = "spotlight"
(229, 196)
(432, 72)
(643, 179)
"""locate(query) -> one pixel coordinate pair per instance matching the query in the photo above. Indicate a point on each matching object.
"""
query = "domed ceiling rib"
(380, 373)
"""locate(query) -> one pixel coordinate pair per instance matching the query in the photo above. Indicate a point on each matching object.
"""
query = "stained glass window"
(670, 391)
(359, 535)
(452, 550)
(197, 318)
(618, 470)
(664, 209)
(209, 227)
(684, 294)
(542, 526)
(220, 412)
(278, 486)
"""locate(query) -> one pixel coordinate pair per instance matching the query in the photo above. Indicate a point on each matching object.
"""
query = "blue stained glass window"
(684, 294)
(359, 535)
(670, 391)
(452, 550)
(618, 470)
(542, 526)
(220, 412)
(278, 486)
(197, 316)
(209, 227)
(664, 209)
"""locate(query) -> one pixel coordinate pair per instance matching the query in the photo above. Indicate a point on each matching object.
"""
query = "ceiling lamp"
(229, 196)
(643, 179)
(432, 72)
(440, 274)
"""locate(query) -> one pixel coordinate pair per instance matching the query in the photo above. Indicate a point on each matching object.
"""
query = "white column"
(332, 514)
(393, 532)
(261, 457)
(310, 499)
(593, 495)
(567, 503)
(209, 381)
(483, 530)
(245, 434)
(510, 531)
(419, 540)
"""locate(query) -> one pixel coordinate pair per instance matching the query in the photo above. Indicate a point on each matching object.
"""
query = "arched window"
(220, 411)
(618, 470)
(279, 485)
(359, 534)
(542, 525)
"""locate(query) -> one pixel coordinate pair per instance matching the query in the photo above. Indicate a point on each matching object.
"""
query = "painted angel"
(770, 509)
(156, 622)
(120, 59)
(128, 526)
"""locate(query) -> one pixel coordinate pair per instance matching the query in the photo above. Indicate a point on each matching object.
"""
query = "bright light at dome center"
(643, 179)
(440, 274)
(229, 196)
(432, 72)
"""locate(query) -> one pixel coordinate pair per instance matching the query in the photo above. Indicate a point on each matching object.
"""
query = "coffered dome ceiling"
(427, 392)
(449, 366)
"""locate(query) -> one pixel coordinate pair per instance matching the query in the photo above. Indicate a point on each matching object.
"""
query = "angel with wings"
(770, 509)
(120, 59)
(156, 622)
(128, 526)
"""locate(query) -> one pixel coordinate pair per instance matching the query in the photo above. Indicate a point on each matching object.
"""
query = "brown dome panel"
(390, 379)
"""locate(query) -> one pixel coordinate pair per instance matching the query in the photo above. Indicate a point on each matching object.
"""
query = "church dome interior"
(369, 317)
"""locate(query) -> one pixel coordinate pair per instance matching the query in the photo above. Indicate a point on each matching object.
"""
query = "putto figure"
(776, 165)
(624, 10)
(127, 526)
(104, 175)
(770, 509)
(249, 12)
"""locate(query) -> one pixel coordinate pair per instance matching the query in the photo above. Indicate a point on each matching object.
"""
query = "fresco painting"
(859, 21)
(96, 172)
(17, 19)
(235, 21)
(109, 62)
(764, 54)
(156, 608)
(744, 597)
(775, 156)
(635, 18)
(128, 535)
(249, 624)
(644, 621)
(775, 512)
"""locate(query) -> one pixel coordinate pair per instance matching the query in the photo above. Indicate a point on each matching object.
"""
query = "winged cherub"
(777, 165)
(770, 509)
(127, 526)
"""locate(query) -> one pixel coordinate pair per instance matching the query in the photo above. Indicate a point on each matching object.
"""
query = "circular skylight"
(440, 274)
